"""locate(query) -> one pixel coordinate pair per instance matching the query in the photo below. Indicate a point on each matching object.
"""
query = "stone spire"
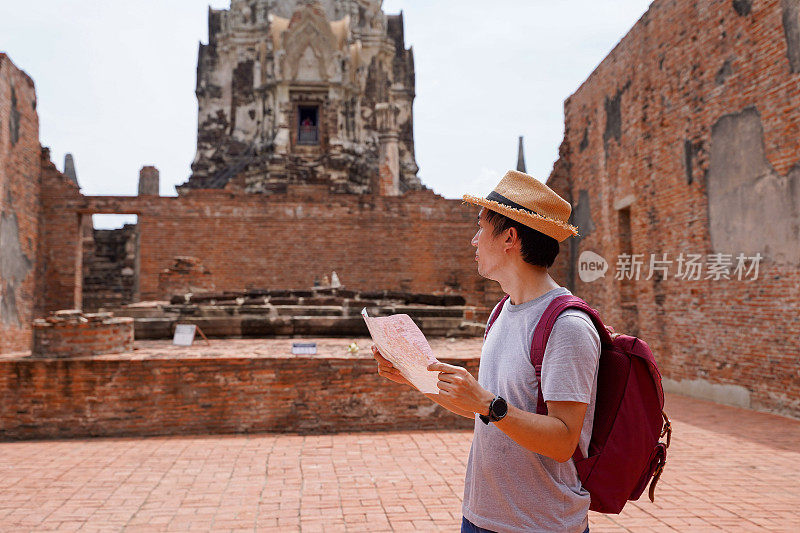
(69, 168)
(520, 157)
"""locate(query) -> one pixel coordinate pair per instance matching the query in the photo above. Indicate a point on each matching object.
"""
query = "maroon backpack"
(625, 449)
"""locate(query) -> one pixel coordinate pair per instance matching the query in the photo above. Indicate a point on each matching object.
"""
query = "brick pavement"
(728, 469)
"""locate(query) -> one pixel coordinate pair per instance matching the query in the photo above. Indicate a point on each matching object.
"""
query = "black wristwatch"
(497, 410)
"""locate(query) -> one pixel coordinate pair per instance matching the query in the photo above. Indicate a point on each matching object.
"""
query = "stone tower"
(305, 92)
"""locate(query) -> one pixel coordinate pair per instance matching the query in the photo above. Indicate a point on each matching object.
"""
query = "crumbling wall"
(105, 396)
(418, 242)
(19, 205)
(60, 260)
(686, 140)
(186, 275)
(71, 333)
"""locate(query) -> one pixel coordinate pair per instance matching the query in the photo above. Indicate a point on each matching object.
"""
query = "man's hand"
(387, 370)
(460, 389)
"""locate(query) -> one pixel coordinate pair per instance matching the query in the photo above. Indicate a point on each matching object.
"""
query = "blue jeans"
(469, 527)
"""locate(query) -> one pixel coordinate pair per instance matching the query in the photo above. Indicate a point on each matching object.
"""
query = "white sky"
(115, 82)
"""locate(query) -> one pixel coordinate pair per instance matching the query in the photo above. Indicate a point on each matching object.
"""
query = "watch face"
(499, 407)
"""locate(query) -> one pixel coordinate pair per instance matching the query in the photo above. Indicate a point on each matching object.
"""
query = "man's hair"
(537, 248)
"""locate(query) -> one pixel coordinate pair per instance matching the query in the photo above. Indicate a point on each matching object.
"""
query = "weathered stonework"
(690, 127)
(70, 333)
(242, 388)
(686, 140)
(185, 275)
(318, 312)
(305, 93)
(19, 205)
(418, 242)
(317, 216)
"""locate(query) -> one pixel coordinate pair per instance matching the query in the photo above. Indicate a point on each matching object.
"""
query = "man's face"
(488, 247)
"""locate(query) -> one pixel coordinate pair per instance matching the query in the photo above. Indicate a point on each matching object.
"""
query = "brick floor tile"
(339, 482)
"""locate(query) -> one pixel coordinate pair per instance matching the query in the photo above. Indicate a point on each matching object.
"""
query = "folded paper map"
(403, 344)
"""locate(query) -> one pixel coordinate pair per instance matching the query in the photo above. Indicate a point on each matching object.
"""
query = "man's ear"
(512, 237)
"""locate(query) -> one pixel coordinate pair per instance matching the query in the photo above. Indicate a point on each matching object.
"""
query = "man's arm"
(554, 435)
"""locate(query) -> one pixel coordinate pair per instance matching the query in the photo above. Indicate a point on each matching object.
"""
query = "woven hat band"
(500, 199)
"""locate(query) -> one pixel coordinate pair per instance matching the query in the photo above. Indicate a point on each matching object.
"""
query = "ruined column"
(148, 181)
(389, 157)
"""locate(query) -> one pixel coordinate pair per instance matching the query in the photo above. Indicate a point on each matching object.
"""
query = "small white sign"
(304, 348)
(184, 334)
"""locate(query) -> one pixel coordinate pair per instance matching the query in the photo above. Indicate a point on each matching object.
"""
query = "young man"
(520, 475)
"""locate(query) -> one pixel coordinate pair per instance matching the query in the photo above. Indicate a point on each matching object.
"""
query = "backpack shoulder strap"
(494, 315)
(542, 333)
(545, 325)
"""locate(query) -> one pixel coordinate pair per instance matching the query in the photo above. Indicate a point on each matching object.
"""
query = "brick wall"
(418, 242)
(60, 261)
(19, 205)
(58, 398)
(690, 130)
(185, 275)
(90, 334)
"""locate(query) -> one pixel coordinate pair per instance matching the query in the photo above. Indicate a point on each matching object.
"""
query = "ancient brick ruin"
(20, 169)
(187, 275)
(241, 386)
(305, 125)
(305, 93)
(109, 267)
(71, 333)
(686, 140)
(319, 312)
(305, 166)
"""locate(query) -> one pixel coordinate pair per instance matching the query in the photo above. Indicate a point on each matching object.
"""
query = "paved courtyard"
(728, 470)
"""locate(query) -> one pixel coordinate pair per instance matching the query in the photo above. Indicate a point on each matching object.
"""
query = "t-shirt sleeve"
(571, 358)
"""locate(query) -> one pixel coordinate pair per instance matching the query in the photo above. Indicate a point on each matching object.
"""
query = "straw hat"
(530, 202)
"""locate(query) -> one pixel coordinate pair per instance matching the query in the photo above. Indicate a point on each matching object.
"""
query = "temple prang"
(298, 93)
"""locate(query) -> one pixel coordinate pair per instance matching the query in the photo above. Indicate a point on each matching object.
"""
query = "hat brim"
(560, 231)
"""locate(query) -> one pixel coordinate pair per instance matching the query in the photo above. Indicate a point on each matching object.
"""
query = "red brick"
(665, 74)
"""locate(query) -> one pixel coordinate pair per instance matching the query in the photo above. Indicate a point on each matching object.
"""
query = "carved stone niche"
(308, 124)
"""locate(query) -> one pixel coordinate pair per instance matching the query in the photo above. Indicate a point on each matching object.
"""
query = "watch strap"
(492, 417)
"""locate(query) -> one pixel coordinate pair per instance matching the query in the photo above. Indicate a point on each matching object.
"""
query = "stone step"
(303, 310)
(420, 311)
(309, 326)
